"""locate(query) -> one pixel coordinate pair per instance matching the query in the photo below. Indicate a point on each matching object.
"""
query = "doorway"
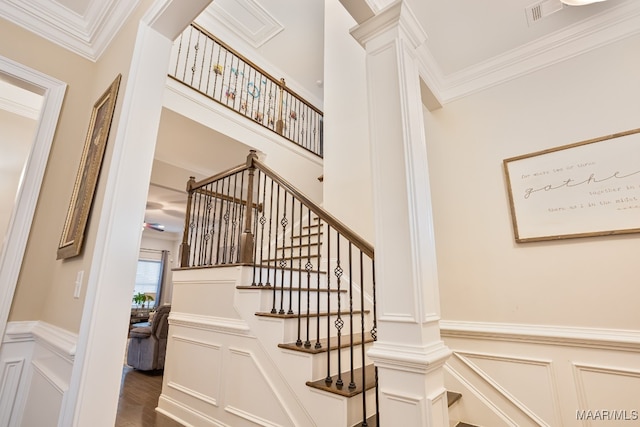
(28, 166)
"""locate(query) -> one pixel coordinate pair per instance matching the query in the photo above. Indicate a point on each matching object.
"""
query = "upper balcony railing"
(206, 64)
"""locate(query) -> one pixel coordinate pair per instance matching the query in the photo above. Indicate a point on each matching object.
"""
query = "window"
(148, 279)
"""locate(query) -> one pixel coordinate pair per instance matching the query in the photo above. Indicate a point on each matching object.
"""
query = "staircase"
(280, 320)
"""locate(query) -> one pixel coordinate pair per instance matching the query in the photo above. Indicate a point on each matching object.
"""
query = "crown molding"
(615, 24)
(87, 35)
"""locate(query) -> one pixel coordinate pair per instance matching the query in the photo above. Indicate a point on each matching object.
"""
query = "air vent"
(537, 11)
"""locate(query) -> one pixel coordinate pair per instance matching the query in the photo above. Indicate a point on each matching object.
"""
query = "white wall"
(484, 275)
(347, 165)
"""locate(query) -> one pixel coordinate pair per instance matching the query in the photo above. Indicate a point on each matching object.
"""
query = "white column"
(409, 352)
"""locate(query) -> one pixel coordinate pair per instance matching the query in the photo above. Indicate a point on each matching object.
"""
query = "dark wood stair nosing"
(345, 342)
(301, 245)
(294, 257)
(287, 288)
(453, 397)
(311, 315)
(277, 267)
(369, 373)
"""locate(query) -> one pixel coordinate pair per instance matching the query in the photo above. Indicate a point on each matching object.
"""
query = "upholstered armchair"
(148, 344)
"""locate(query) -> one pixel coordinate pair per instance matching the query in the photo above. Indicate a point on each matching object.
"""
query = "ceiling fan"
(579, 2)
(153, 226)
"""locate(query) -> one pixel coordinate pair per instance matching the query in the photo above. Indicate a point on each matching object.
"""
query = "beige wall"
(484, 275)
(46, 285)
(16, 137)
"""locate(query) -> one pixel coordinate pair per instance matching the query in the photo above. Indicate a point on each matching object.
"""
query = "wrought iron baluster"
(213, 222)
(262, 221)
(283, 262)
(362, 347)
(198, 242)
(319, 261)
(239, 219)
(293, 222)
(269, 242)
(307, 344)
(256, 220)
(352, 384)
(223, 205)
(206, 232)
(275, 255)
(339, 323)
(328, 380)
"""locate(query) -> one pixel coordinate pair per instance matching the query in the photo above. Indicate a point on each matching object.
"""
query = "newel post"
(247, 239)
(184, 247)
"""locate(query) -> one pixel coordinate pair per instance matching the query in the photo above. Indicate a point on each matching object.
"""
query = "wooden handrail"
(341, 228)
(194, 185)
(221, 196)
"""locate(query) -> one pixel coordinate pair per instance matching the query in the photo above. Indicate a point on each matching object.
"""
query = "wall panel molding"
(542, 375)
(36, 360)
(209, 323)
(551, 392)
(11, 371)
(611, 339)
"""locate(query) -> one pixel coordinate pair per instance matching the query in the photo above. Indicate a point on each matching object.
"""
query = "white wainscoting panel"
(521, 380)
(198, 375)
(598, 389)
(250, 394)
(529, 375)
(36, 360)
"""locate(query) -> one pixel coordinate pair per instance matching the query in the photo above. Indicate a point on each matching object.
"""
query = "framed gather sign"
(88, 172)
(590, 188)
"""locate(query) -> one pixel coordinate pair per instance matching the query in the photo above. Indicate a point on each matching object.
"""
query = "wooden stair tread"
(311, 315)
(369, 373)
(277, 267)
(301, 245)
(327, 344)
(287, 288)
(294, 257)
(453, 397)
(372, 421)
(309, 227)
(461, 424)
(312, 234)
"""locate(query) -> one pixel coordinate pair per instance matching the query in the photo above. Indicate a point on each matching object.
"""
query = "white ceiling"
(471, 44)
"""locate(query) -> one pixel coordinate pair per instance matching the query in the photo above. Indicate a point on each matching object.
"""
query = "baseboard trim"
(566, 336)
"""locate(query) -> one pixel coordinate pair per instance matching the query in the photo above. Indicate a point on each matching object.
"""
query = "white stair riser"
(290, 329)
(319, 369)
(355, 409)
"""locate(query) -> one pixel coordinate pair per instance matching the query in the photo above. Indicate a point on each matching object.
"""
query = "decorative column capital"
(415, 359)
(396, 19)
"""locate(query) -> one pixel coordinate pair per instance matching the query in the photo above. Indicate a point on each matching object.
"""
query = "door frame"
(15, 239)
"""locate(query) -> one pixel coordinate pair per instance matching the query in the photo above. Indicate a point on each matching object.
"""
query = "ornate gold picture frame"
(88, 173)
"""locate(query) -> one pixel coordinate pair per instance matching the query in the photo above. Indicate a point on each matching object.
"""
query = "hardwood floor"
(139, 392)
